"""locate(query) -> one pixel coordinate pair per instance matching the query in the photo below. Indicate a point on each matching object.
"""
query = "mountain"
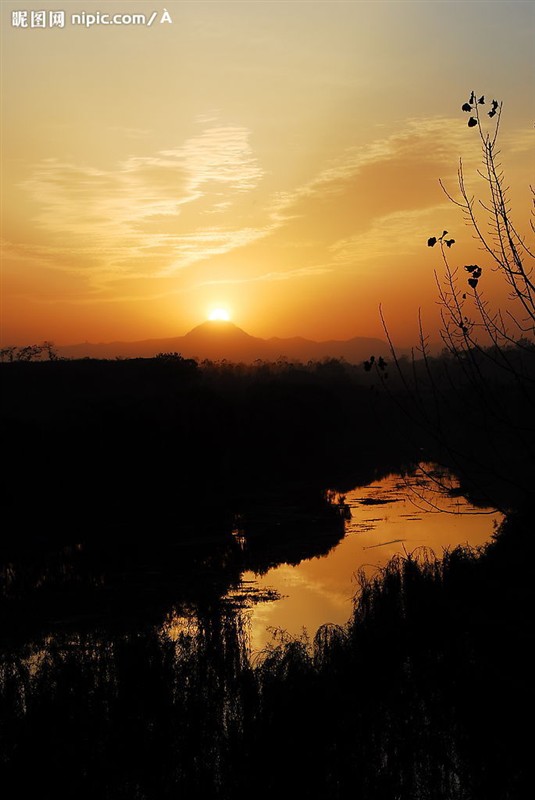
(218, 340)
(353, 350)
(224, 340)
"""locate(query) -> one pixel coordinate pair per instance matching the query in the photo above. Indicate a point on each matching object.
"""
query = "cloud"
(147, 216)
(153, 216)
(300, 272)
(436, 141)
(379, 200)
(395, 234)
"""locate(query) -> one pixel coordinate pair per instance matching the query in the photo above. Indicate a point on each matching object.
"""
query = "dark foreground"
(142, 472)
(427, 693)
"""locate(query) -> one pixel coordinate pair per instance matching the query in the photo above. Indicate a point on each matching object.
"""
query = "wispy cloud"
(152, 216)
(147, 216)
(381, 200)
(389, 236)
(437, 141)
(300, 272)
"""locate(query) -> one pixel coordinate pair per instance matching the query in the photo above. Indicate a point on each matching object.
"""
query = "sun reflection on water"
(395, 515)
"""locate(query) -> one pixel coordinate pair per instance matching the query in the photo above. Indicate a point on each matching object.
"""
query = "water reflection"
(395, 514)
(402, 702)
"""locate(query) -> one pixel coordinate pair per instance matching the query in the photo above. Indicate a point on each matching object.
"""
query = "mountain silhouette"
(218, 340)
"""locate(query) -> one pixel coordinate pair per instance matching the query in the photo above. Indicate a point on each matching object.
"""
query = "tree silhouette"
(503, 247)
(478, 399)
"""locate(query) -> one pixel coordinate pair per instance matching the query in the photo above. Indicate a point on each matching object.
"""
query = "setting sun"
(220, 314)
(135, 212)
(267, 304)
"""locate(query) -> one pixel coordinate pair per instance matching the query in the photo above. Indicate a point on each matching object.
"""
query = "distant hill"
(224, 340)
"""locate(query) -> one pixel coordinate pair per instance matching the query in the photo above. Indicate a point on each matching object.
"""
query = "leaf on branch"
(472, 97)
(432, 241)
(492, 113)
(473, 282)
(466, 107)
(472, 122)
(443, 234)
(471, 267)
(481, 100)
(464, 296)
(449, 242)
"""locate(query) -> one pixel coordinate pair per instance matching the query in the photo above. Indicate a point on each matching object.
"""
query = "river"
(394, 515)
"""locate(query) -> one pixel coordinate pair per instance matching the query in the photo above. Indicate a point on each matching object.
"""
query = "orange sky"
(276, 159)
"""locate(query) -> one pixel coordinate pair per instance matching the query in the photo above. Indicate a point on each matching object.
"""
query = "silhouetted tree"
(479, 400)
(8, 353)
(505, 250)
(29, 353)
(50, 349)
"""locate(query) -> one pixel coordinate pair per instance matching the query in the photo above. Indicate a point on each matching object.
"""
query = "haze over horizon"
(224, 340)
(277, 161)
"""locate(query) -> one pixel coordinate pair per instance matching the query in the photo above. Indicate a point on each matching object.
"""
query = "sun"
(220, 314)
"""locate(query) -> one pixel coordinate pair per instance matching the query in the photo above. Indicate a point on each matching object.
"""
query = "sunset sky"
(277, 160)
